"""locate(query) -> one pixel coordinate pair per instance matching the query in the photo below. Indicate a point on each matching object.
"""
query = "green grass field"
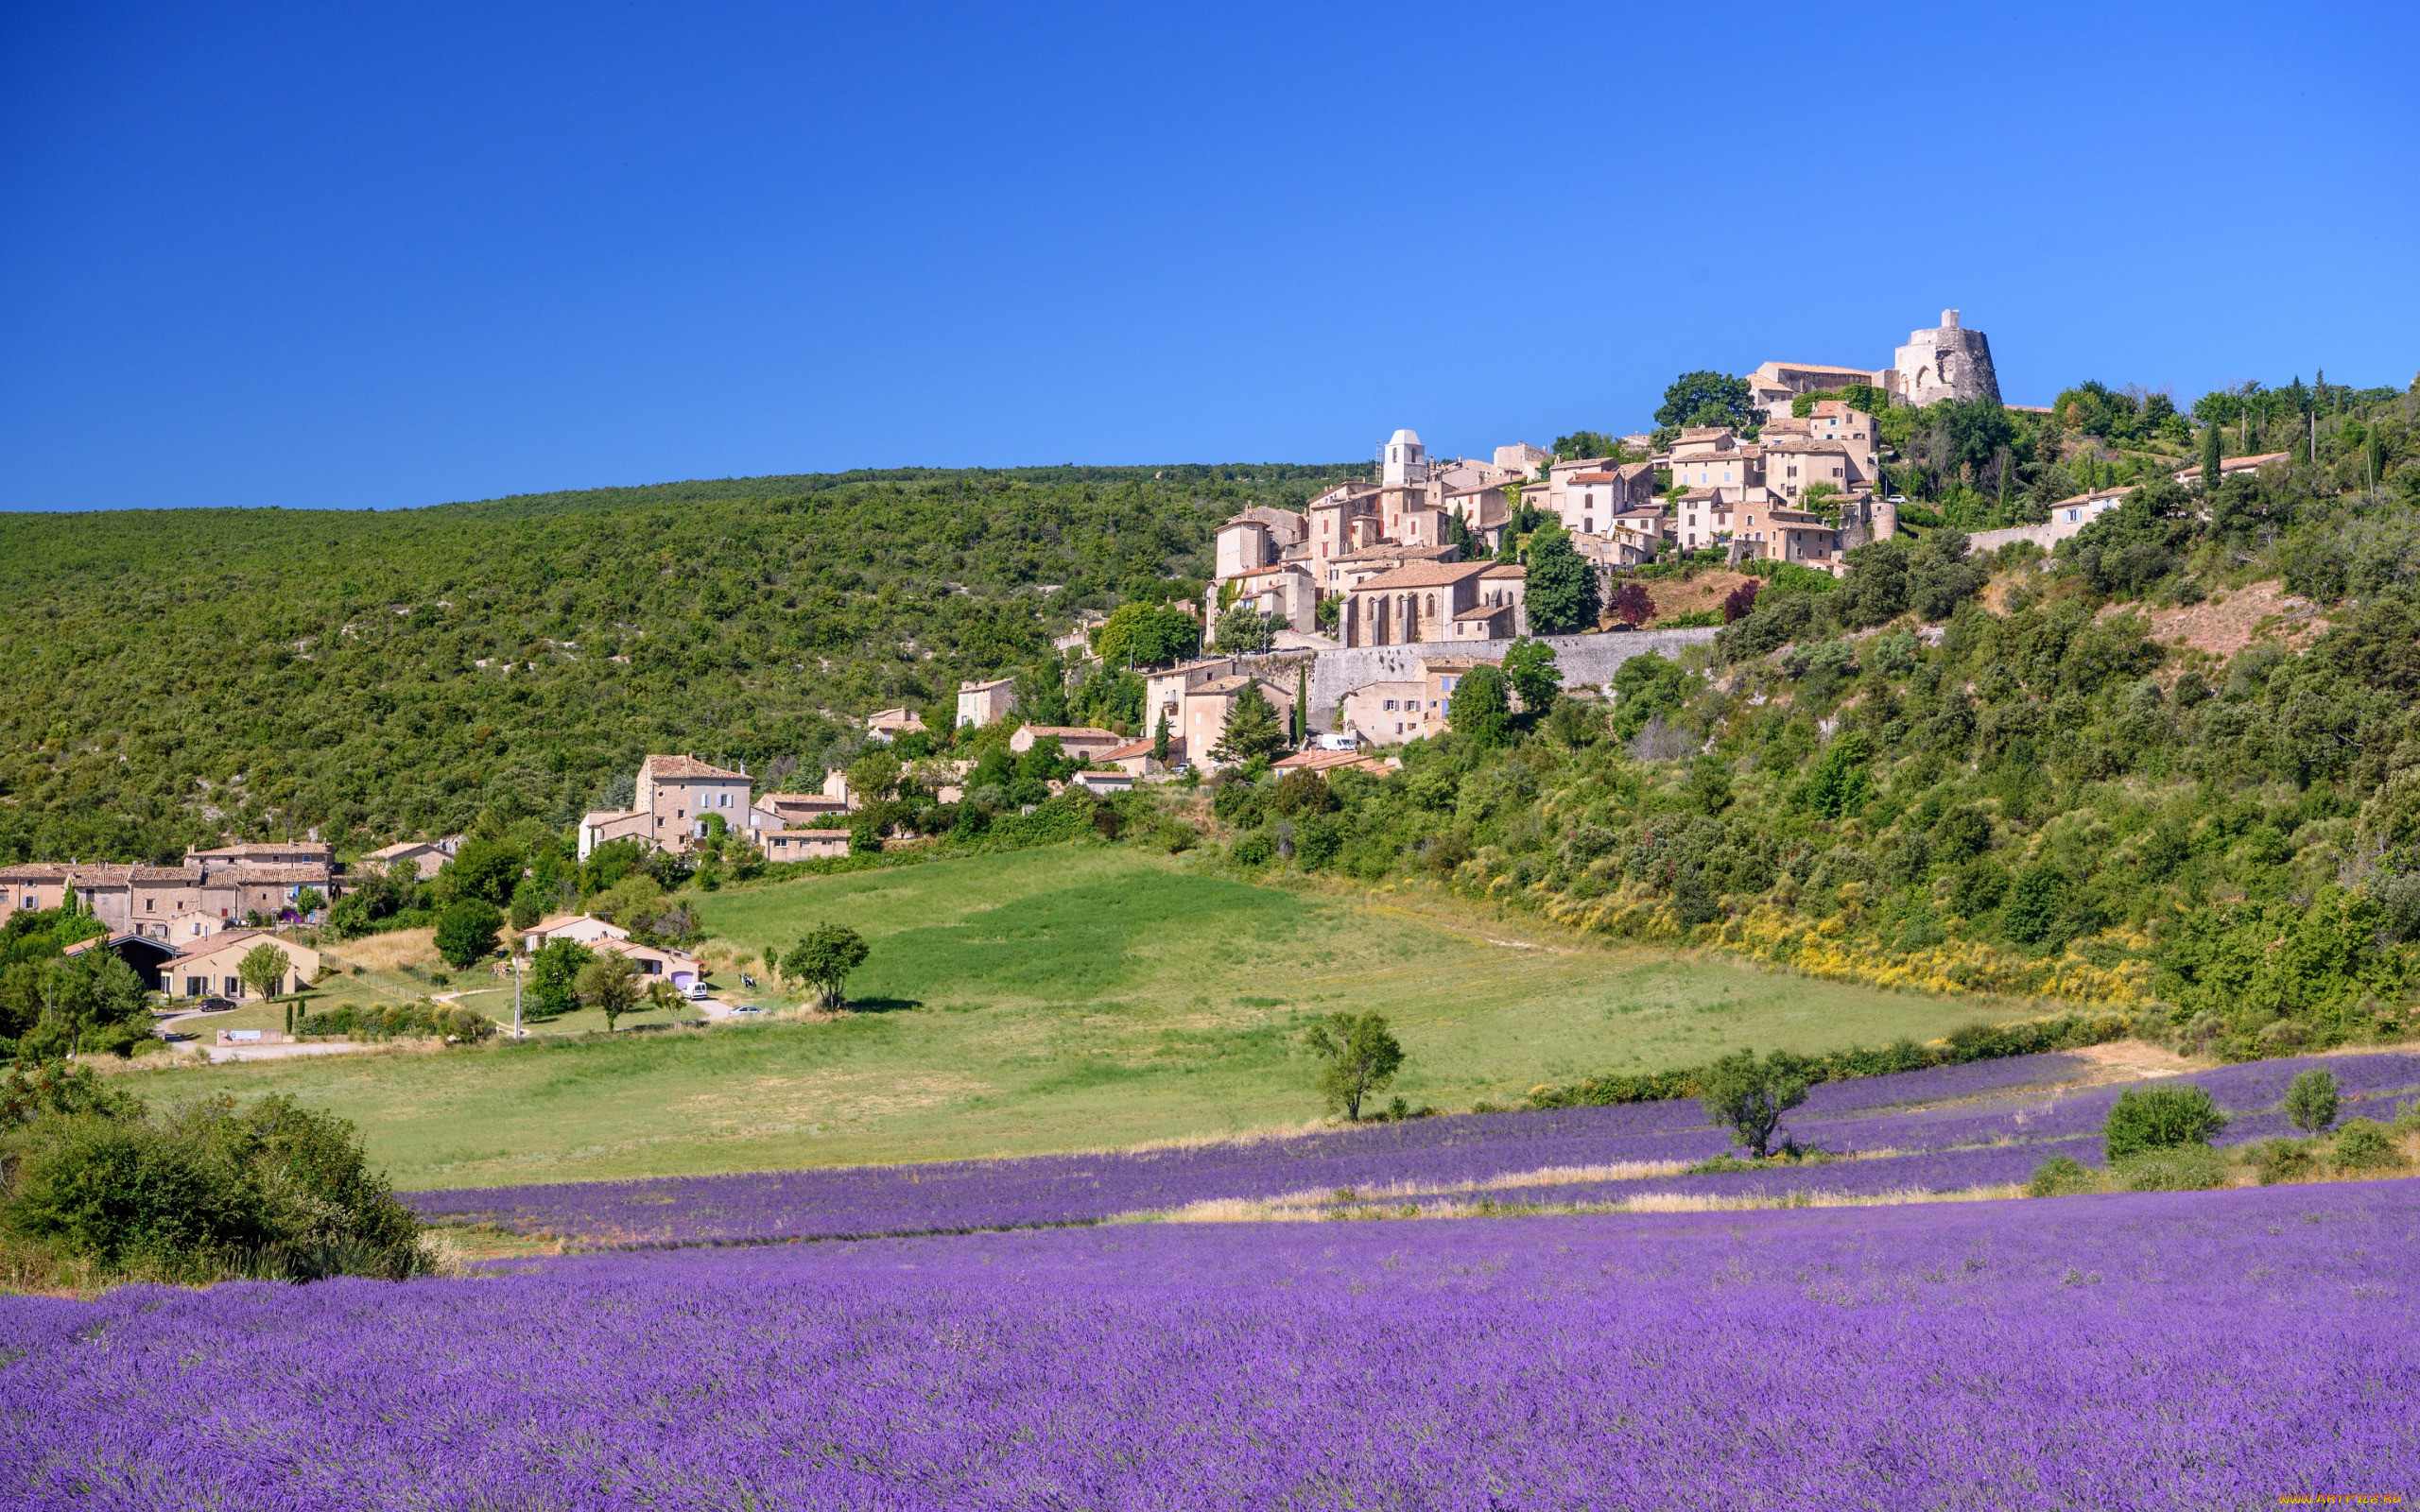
(1073, 997)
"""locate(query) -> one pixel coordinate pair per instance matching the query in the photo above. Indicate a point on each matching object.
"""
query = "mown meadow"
(1073, 997)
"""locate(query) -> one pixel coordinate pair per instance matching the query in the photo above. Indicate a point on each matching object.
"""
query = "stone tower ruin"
(1947, 361)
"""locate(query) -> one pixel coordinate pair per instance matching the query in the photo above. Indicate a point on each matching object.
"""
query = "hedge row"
(1982, 1042)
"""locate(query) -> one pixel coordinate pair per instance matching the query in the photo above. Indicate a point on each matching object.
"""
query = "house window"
(196, 986)
(150, 905)
(234, 986)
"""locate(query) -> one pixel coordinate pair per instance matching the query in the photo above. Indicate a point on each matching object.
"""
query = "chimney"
(1949, 319)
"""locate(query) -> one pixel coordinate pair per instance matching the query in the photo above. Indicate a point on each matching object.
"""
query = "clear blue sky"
(393, 256)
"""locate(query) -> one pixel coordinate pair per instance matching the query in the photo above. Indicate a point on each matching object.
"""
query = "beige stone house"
(1207, 706)
(1774, 385)
(1074, 740)
(427, 856)
(1390, 712)
(804, 844)
(211, 967)
(986, 703)
(1413, 603)
(1134, 758)
(676, 797)
(1163, 693)
(1259, 536)
(141, 900)
(581, 929)
(1287, 589)
(889, 724)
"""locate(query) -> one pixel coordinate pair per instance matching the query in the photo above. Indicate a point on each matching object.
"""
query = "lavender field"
(1947, 1129)
(2188, 1351)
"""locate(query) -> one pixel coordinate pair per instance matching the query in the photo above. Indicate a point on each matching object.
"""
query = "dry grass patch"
(390, 952)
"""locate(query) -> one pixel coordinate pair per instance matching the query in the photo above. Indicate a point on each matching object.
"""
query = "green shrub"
(2063, 1175)
(2310, 1102)
(2365, 1145)
(2281, 1160)
(413, 1020)
(2407, 1118)
(205, 1192)
(1254, 849)
(2172, 1168)
(2160, 1117)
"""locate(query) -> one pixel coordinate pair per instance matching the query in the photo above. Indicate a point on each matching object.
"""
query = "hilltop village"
(1325, 637)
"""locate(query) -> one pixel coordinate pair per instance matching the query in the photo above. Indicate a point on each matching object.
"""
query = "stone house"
(1400, 709)
(676, 797)
(1134, 758)
(1163, 693)
(1081, 740)
(889, 724)
(210, 968)
(803, 844)
(1287, 589)
(581, 929)
(1587, 502)
(986, 703)
(427, 856)
(1208, 704)
(1411, 604)
(1259, 536)
(141, 900)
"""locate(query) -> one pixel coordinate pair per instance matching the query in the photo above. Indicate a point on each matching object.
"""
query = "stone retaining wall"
(1583, 659)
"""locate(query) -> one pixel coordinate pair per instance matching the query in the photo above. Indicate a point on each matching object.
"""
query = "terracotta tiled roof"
(1424, 574)
(259, 875)
(1071, 732)
(1505, 568)
(662, 766)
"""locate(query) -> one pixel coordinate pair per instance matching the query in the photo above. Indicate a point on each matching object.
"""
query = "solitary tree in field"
(1359, 1058)
(823, 961)
(2310, 1102)
(1751, 1095)
(263, 970)
(663, 996)
(610, 984)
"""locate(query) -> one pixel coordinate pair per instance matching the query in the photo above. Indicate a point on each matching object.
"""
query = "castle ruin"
(1946, 362)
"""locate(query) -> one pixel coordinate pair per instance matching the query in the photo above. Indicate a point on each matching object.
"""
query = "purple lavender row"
(1942, 1171)
(2216, 1349)
(1431, 1152)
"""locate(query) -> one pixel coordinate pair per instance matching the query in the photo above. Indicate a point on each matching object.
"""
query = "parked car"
(699, 993)
(748, 1007)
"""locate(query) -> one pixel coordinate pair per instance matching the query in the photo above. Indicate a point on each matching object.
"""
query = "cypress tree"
(1159, 742)
(1302, 703)
(2209, 458)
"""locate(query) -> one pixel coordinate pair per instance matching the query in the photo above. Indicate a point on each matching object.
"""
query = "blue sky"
(341, 256)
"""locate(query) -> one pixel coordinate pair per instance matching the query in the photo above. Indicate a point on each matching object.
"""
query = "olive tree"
(823, 961)
(1358, 1057)
(1751, 1095)
(610, 984)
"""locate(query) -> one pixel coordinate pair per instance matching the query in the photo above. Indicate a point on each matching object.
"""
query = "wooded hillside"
(168, 673)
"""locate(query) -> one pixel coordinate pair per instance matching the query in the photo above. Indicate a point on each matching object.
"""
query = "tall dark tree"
(2211, 469)
(1562, 596)
(1252, 729)
(1480, 712)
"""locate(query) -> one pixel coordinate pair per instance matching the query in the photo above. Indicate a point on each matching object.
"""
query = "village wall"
(1585, 661)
